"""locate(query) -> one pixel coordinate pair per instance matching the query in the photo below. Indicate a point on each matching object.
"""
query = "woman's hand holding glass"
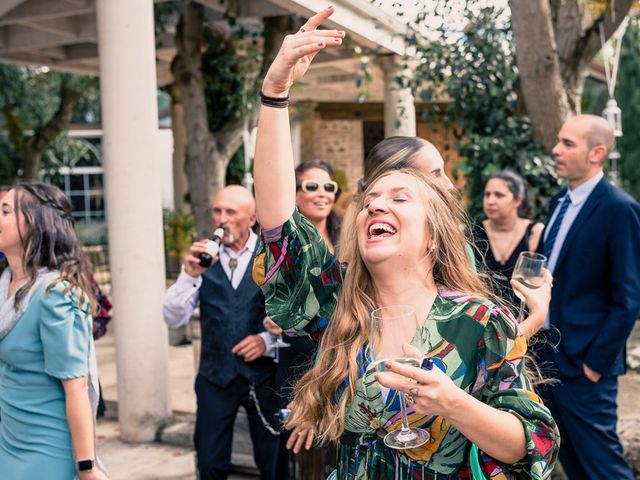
(537, 301)
(392, 328)
(530, 270)
(430, 391)
(297, 52)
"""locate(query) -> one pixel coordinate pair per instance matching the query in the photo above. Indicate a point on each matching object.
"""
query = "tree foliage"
(474, 73)
(555, 43)
(37, 105)
(628, 96)
(217, 71)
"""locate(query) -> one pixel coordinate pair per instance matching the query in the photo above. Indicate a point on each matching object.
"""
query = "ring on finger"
(410, 399)
(414, 391)
(302, 30)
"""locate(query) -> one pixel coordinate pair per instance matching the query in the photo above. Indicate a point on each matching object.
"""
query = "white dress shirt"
(578, 198)
(181, 298)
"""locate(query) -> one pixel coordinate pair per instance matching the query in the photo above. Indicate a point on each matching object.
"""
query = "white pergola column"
(133, 198)
(399, 108)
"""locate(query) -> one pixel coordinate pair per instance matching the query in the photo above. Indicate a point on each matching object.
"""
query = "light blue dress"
(51, 341)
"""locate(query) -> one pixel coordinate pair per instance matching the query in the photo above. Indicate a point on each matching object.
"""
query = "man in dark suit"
(234, 370)
(592, 241)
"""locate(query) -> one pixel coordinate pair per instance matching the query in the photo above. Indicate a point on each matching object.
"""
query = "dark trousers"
(586, 414)
(216, 414)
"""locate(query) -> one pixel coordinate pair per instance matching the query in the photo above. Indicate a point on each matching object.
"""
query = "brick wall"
(340, 143)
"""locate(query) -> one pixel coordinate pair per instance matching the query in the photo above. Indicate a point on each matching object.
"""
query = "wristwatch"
(84, 465)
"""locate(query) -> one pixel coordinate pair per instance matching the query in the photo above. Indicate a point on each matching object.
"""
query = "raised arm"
(275, 187)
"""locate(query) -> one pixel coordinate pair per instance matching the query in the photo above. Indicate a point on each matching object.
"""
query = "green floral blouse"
(473, 340)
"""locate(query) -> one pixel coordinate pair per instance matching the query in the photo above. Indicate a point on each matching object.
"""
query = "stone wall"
(339, 142)
(334, 132)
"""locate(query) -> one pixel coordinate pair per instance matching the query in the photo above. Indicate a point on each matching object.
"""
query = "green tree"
(511, 79)
(217, 70)
(555, 42)
(628, 95)
(37, 106)
(475, 71)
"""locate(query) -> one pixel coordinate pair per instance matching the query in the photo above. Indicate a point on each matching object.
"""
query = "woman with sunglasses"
(316, 193)
(401, 245)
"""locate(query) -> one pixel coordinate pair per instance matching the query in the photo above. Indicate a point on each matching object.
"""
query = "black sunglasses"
(312, 187)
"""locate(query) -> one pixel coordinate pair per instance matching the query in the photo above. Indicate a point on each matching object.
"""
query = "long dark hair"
(50, 239)
(518, 187)
(333, 222)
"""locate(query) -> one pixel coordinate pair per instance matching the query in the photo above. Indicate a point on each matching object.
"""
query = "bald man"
(592, 242)
(234, 370)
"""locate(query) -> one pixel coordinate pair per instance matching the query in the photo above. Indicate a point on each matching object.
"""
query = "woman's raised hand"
(297, 52)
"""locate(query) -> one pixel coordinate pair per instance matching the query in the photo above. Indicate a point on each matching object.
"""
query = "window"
(74, 164)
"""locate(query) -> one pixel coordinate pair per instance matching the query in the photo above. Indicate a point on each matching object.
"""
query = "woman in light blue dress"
(47, 362)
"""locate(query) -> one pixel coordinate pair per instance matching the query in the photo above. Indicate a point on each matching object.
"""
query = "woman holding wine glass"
(401, 245)
(506, 232)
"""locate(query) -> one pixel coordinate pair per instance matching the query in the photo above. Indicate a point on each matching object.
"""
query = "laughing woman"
(48, 378)
(479, 395)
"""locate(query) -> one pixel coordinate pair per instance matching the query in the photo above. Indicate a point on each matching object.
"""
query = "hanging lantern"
(613, 114)
(614, 174)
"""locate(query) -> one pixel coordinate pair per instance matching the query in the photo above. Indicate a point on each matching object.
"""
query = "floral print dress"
(475, 342)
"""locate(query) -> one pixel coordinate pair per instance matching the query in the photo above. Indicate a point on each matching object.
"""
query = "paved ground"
(151, 460)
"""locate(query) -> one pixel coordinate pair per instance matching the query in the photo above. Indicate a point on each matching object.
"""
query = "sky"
(455, 21)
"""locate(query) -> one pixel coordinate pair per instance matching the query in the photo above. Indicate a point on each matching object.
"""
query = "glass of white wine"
(529, 270)
(391, 328)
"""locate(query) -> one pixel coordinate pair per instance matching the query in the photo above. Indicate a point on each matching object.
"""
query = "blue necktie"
(555, 228)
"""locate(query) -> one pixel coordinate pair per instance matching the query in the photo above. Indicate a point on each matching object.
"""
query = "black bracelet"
(275, 102)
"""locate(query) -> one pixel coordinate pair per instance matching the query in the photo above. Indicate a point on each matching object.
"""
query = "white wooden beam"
(54, 53)
(40, 10)
(19, 38)
(8, 5)
(364, 23)
(78, 3)
(64, 26)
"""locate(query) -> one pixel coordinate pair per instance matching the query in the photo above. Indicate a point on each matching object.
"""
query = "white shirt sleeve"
(180, 300)
(268, 341)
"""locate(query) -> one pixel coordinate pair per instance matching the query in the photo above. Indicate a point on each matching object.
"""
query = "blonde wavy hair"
(315, 400)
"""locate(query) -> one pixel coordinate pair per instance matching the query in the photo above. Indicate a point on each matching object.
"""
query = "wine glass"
(391, 328)
(529, 270)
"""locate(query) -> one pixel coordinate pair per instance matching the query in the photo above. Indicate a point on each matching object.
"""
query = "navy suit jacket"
(596, 288)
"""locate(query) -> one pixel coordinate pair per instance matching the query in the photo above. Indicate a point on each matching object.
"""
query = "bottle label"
(212, 248)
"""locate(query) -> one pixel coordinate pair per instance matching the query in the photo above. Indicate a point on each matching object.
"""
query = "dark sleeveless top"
(500, 272)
